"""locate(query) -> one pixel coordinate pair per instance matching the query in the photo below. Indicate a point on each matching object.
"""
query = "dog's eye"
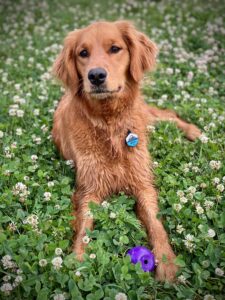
(114, 49)
(84, 53)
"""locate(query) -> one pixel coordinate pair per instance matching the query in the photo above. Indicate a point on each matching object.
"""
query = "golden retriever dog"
(101, 124)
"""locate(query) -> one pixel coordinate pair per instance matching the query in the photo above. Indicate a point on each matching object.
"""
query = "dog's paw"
(78, 249)
(166, 268)
(166, 271)
(192, 132)
(79, 255)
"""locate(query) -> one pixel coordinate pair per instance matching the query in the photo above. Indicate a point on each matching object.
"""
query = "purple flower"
(144, 256)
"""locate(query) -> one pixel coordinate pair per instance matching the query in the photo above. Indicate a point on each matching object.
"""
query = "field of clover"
(36, 184)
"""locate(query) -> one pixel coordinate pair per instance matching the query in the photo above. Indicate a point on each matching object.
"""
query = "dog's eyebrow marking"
(84, 46)
(112, 42)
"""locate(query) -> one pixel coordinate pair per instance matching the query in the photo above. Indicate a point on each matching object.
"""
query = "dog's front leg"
(83, 220)
(147, 209)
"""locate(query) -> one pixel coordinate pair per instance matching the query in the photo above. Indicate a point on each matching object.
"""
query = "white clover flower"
(191, 189)
(188, 242)
(7, 262)
(215, 164)
(78, 273)
(7, 172)
(32, 220)
(220, 187)
(1, 134)
(208, 204)
(180, 193)
(12, 112)
(44, 128)
(121, 296)
(36, 139)
(112, 215)
(181, 279)
(6, 258)
(183, 200)
(58, 251)
(190, 195)
(216, 180)
(70, 163)
(169, 71)
(211, 233)
(57, 262)
(47, 196)
(51, 183)
(155, 164)
(6, 288)
(105, 204)
(92, 256)
(20, 113)
(18, 279)
(212, 125)
(204, 139)
(203, 185)
(36, 112)
(223, 178)
(17, 86)
(43, 262)
(180, 228)
(6, 278)
(189, 237)
(195, 169)
(19, 131)
(190, 76)
(8, 154)
(160, 102)
(16, 99)
(199, 209)
(13, 145)
(180, 84)
(20, 189)
(186, 170)
(208, 297)
(59, 297)
(151, 128)
(86, 239)
(219, 272)
(12, 226)
(177, 207)
(34, 157)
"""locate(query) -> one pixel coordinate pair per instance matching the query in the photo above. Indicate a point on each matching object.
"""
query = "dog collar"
(131, 139)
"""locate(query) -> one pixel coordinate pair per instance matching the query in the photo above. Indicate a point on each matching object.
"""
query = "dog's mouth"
(102, 92)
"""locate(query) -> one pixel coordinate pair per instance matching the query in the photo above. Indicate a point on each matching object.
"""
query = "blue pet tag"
(132, 139)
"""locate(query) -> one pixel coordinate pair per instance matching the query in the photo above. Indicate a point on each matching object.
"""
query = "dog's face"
(102, 59)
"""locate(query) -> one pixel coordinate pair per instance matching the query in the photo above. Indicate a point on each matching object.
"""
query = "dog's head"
(102, 59)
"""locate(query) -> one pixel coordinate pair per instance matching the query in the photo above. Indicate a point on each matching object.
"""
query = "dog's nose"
(97, 76)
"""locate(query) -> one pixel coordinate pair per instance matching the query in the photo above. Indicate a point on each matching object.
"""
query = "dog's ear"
(64, 67)
(142, 50)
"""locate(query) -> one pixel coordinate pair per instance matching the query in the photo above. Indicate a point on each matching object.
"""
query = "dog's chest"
(104, 159)
(109, 143)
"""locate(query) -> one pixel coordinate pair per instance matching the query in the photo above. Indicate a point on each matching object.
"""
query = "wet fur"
(92, 133)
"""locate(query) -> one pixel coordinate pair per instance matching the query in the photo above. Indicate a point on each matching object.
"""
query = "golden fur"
(90, 127)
